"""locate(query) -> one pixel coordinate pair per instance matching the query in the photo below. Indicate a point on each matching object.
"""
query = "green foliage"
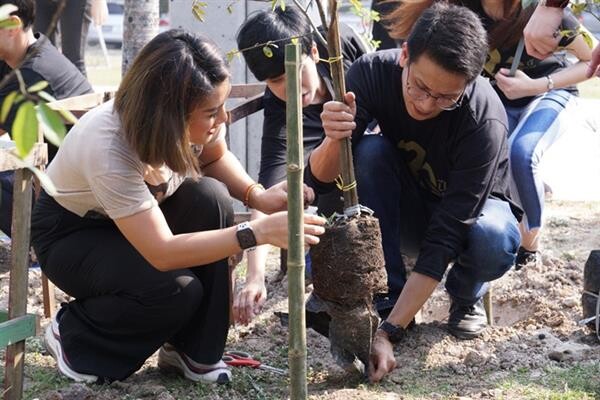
(199, 10)
(274, 4)
(25, 128)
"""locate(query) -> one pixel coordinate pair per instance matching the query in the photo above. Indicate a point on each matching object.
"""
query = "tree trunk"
(140, 24)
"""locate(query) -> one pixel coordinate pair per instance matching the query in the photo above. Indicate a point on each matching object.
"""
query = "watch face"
(246, 237)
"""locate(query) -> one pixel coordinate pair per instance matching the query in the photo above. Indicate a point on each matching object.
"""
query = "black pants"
(73, 27)
(124, 308)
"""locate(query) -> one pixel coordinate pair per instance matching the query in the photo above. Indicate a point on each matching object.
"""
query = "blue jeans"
(533, 129)
(386, 186)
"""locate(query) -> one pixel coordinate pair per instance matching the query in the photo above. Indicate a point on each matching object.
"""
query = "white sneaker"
(54, 347)
(170, 358)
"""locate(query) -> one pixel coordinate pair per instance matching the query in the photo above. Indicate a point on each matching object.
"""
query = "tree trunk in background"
(140, 24)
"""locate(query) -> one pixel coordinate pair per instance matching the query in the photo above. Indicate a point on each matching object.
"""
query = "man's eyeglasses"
(418, 94)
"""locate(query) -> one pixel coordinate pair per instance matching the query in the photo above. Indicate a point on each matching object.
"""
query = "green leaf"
(230, 54)
(273, 5)
(7, 105)
(36, 87)
(6, 9)
(578, 8)
(267, 51)
(54, 129)
(46, 96)
(68, 116)
(198, 9)
(25, 128)
(44, 179)
(282, 5)
(9, 23)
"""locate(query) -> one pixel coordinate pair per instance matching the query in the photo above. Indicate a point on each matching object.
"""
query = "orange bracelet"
(249, 190)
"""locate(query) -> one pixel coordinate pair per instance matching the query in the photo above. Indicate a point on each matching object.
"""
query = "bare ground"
(535, 350)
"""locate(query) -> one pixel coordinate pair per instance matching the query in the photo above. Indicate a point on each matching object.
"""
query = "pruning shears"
(236, 358)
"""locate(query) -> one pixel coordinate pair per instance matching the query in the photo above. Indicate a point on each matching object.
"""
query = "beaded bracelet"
(249, 189)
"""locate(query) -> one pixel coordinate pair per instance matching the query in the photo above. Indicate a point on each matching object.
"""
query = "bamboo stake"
(339, 88)
(295, 262)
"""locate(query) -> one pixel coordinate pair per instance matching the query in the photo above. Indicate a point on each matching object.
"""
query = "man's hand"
(338, 118)
(541, 38)
(249, 301)
(382, 360)
(594, 62)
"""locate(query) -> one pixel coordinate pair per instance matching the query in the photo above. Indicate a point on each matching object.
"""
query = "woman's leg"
(199, 206)
(537, 130)
(124, 308)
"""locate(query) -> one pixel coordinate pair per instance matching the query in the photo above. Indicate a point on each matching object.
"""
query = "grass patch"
(578, 382)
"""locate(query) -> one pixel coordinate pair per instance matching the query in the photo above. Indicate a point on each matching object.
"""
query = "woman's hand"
(249, 301)
(519, 85)
(275, 198)
(382, 360)
(273, 229)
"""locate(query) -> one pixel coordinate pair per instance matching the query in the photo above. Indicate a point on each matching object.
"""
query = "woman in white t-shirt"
(140, 227)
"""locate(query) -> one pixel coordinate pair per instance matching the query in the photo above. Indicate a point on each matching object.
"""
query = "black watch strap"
(395, 333)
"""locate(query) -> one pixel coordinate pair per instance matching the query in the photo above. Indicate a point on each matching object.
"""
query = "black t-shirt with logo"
(273, 146)
(459, 158)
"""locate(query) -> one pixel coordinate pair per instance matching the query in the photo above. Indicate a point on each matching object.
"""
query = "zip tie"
(339, 182)
(331, 60)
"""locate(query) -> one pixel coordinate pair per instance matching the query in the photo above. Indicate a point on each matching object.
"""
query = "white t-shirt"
(96, 173)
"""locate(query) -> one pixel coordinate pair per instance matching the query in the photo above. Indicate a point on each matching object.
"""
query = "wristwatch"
(245, 236)
(556, 3)
(395, 333)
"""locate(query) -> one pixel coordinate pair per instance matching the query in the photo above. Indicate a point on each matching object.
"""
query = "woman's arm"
(150, 234)
(521, 85)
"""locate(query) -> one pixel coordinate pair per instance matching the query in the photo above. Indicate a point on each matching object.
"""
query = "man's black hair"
(277, 26)
(26, 11)
(453, 37)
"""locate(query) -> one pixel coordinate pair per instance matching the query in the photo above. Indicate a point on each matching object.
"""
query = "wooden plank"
(49, 296)
(79, 105)
(17, 297)
(9, 160)
(246, 90)
(245, 109)
(17, 329)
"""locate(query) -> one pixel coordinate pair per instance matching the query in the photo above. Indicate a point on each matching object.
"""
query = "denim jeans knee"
(490, 252)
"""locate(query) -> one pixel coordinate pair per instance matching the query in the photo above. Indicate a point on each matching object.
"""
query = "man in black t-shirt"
(437, 177)
(279, 26)
(40, 62)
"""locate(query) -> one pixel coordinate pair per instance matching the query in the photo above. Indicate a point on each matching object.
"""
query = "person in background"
(280, 26)
(140, 227)
(38, 60)
(73, 26)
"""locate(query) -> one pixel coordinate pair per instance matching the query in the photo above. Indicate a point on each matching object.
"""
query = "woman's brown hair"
(501, 34)
(170, 76)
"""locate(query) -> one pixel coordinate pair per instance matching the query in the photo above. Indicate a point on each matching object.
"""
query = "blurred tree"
(140, 24)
